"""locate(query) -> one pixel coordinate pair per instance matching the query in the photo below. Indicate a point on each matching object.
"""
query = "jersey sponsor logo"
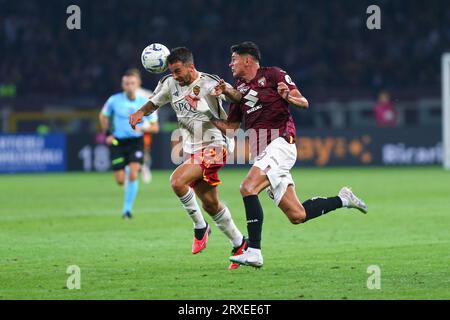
(256, 108)
(262, 82)
(252, 98)
(252, 101)
(183, 106)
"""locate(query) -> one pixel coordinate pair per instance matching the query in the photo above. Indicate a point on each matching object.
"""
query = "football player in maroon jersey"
(261, 97)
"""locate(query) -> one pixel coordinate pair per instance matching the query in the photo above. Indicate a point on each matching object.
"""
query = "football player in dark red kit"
(261, 97)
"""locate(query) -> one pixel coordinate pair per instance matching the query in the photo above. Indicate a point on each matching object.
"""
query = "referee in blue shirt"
(126, 144)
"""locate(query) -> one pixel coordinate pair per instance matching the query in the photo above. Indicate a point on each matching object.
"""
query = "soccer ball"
(154, 58)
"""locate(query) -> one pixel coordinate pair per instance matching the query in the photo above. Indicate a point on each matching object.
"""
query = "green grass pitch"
(49, 222)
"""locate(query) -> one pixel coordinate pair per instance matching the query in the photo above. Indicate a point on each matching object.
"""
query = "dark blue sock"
(255, 217)
(318, 206)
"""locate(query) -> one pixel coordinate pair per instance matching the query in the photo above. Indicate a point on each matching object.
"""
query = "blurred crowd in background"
(324, 45)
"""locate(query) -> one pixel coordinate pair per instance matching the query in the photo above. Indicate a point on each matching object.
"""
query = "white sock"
(254, 250)
(225, 223)
(189, 202)
(344, 202)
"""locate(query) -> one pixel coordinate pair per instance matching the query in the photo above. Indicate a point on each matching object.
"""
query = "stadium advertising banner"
(316, 148)
(365, 147)
(32, 153)
(87, 152)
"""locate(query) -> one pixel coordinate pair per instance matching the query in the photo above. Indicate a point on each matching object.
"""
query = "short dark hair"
(182, 54)
(247, 47)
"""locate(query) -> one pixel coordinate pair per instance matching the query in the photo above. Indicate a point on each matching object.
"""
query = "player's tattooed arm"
(232, 94)
(293, 97)
(145, 110)
(148, 108)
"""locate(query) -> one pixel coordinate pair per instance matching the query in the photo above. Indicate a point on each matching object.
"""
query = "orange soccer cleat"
(238, 251)
(199, 245)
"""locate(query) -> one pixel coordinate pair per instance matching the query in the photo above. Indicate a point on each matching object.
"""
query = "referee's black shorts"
(125, 151)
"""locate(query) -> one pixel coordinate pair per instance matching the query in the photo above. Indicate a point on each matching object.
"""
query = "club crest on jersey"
(196, 90)
(262, 82)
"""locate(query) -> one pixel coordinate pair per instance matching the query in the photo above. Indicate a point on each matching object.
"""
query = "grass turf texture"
(48, 222)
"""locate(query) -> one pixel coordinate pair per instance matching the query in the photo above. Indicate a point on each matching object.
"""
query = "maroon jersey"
(263, 109)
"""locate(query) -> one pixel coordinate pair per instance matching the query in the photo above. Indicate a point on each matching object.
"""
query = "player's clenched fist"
(220, 88)
(283, 90)
(135, 118)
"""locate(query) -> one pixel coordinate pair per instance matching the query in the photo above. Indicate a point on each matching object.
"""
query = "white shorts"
(277, 161)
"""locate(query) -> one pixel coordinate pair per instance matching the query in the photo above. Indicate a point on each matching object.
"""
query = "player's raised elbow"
(303, 103)
(306, 104)
(298, 100)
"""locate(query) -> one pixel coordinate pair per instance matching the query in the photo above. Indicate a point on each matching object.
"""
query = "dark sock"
(318, 206)
(255, 217)
(199, 233)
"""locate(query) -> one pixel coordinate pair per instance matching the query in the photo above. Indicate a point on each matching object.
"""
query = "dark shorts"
(125, 151)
